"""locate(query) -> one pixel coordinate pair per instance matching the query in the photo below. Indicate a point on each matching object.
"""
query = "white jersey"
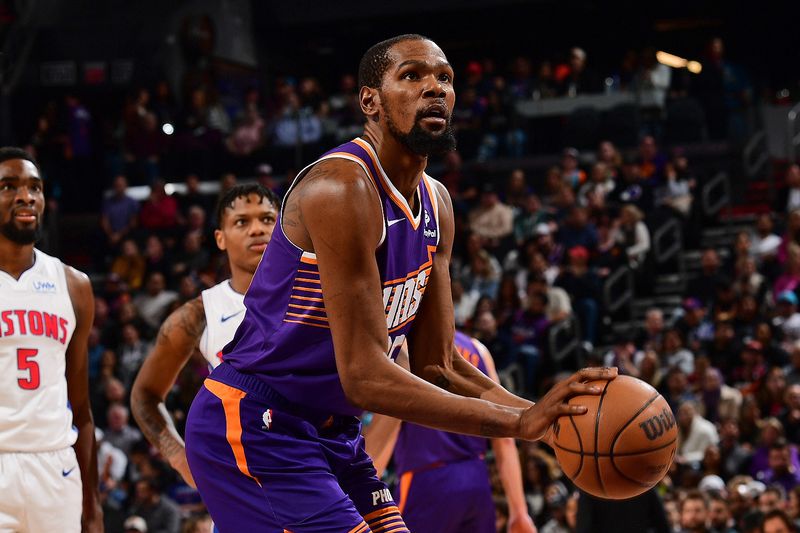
(37, 321)
(224, 308)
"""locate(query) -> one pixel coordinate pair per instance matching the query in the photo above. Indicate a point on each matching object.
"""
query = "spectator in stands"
(734, 457)
(156, 258)
(583, 285)
(649, 337)
(119, 213)
(770, 392)
(771, 499)
(673, 353)
(607, 153)
(694, 513)
(703, 287)
(130, 354)
(695, 326)
(498, 343)
(492, 220)
(463, 301)
(529, 221)
(154, 302)
(632, 188)
(193, 256)
(782, 470)
(516, 193)
(777, 521)
(793, 506)
(600, 184)
(791, 237)
(789, 196)
(790, 414)
(653, 77)
(790, 279)
(651, 160)
(545, 85)
(198, 524)
(631, 234)
(120, 433)
(576, 78)
(749, 366)
(577, 230)
(160, 513)
(130, 265)
(248, 134)
(159, 213)
(719, 515)
(787, 319)
(571, 174)
(193, 197)
(675, 190)
(717, 401)
(528, 329)
(696, 434)
(765, 243)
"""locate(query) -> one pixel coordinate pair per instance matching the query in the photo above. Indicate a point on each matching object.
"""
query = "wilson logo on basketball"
(655, 426)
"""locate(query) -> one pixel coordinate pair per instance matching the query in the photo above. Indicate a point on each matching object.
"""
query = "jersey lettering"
(32, 323)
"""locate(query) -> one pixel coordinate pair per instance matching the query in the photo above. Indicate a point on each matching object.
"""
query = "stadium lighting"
(167, 128)
(671, 60)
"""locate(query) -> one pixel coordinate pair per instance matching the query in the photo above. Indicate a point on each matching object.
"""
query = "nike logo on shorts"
(226, 318)
(65, 473)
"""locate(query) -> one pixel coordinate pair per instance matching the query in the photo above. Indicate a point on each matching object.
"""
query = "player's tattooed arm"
(177, 340)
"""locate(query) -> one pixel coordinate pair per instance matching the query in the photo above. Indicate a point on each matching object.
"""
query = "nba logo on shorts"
(267, 418)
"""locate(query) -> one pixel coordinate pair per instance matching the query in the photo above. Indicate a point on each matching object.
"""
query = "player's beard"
(419, 140)
(22, 236)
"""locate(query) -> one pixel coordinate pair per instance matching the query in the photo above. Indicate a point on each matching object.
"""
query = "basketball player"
(246, 216)
(273, 439)
(48, 458)
(440, 470)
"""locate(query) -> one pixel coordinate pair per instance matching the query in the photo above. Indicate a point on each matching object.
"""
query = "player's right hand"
(537, 420)
(181, 465)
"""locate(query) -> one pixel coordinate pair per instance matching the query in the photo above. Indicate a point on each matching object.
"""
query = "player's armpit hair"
(189, 318)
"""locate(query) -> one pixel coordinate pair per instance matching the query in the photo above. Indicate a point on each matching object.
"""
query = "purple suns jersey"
(420, 447)
(285, 340)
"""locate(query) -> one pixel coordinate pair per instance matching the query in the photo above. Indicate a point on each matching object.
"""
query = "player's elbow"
(362, 390)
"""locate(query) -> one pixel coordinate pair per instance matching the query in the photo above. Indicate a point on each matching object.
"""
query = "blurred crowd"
(533, 253)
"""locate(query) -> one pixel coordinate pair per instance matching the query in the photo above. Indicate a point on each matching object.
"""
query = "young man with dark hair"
(246, 215)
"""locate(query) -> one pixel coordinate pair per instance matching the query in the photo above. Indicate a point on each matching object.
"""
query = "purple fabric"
(291, 347)
(420, 447)
(454, 498)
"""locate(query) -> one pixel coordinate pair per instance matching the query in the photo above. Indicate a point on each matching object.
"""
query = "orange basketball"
(623, 445)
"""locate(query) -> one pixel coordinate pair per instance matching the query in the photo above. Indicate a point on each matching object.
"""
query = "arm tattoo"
(149, 410)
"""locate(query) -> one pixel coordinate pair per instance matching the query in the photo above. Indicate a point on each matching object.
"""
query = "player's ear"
(370, 101)
(219, 236)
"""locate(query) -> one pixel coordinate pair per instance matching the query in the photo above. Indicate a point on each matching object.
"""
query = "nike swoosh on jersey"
(65, 473)
(226, 318)
(391, 223)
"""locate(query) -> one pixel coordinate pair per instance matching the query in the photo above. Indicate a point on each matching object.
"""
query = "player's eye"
(445, 78)
(36, 188)
(6, 187)
(411, 75)
(239, 222)
(268, 220)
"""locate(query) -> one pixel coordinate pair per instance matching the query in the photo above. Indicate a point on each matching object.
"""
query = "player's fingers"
(577, 388)
(565, 409)
(593, 373)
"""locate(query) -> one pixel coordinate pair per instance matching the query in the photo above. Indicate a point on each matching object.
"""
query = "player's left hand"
(521, 524)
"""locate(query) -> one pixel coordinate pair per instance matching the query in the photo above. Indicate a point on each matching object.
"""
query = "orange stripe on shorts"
(405, 485)
(231, 398)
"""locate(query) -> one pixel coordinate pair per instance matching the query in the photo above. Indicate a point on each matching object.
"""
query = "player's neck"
(240, 279)
(15, 258)
(402, 166)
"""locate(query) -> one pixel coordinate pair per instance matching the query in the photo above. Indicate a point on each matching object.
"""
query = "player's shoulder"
(332, 182)
(442, 194)
(78, 282)
(189, 319)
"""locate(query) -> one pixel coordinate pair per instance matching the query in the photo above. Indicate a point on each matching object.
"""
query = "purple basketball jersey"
(285, 339)
(420, 447)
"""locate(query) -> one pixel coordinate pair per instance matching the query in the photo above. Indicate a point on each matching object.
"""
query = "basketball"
(623, 445)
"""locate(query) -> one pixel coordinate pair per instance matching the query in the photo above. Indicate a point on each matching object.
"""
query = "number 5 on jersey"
(24, 362)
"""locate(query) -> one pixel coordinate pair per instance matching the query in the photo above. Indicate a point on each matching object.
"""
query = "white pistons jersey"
(37, 321)
(224, 308)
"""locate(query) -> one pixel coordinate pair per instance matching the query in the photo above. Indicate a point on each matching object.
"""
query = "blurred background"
(625, 185)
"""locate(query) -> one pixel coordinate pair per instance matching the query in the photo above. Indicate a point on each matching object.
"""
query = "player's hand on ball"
(537, 420)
